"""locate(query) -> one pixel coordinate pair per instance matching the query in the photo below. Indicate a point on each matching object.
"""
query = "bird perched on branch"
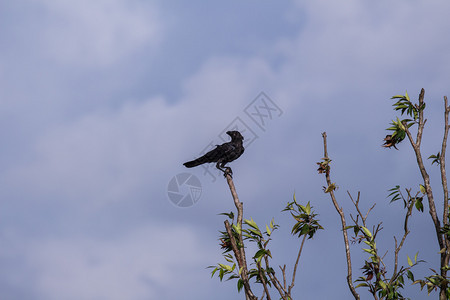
(222, 154)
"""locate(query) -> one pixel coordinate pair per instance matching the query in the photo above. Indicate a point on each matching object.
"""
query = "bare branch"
(263, 281)
(442, 161)
(445, 256)
(344, 230)
(275, 280)
(356, 204)
(239, 253)
(405, 234)
(296, 264)
(283, 270)
(241, 262)
(425, 176)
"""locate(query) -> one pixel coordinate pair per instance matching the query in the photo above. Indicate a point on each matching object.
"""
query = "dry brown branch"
(423, 171)
(445, 217)
(344, 230)
(283, 270)
(442, 240)
(296, 264)
(405, 234)
(263, 281)
(282, 291)
(239, 253)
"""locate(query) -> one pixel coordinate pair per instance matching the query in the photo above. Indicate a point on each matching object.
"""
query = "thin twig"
(445, 217)
(275, 281)
(344, 230)
(283, 270)
(356, 204)
(241, 262)
(263, 280)
(425, 176)
(296, 264)
(405, 234)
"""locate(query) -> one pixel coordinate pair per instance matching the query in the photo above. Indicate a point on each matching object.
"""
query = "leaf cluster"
(436, 158)
(434, 282)
(375, 272)
(252, 233)
(399, 127)
(396, 195)
(306, 222)
(324, 166)
(404, 104)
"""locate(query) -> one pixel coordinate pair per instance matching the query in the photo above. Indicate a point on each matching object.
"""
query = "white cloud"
(101, 156)
(98, 32)
(137, 266)
(356, 44)
(108, 154)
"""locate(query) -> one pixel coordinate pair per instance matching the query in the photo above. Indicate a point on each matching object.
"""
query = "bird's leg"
(226, 170)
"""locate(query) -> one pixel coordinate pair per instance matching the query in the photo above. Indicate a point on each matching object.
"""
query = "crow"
(222, 154)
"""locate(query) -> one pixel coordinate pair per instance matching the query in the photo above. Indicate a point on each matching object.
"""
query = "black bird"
(222, 154)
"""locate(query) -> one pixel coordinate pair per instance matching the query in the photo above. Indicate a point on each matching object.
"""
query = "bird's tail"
(196, 162)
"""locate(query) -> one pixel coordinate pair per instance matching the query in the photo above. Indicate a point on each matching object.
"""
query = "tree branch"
(275, 280)
(405, 234)
(344, 230)
(239, 252)
(445, 256)
(263, 281)
(296, 264)
(425, 176)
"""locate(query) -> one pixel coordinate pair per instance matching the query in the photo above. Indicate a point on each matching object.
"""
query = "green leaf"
(308, 208)
(268, 230)
(407, 96)
(368, 243)
(237, 228)
(251, 223)
(256, 232)
(229, 215)
(213, 272)
(356, 230)
(419, 204)
(330, 188)
(400, 124)
(436, 158)
(260, 254)
(361, 284)
(410, 263)
(410, 275)
(422, 189)
(369, 251)
(366, 231)
(226, 267)
(228, 258)
(240, 284)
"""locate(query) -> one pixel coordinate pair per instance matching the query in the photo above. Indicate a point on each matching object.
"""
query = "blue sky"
(102, 101)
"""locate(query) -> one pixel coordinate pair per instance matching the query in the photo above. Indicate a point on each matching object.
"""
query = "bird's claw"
(227, 172)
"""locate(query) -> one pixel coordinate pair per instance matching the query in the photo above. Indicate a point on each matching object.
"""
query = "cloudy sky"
(101, 101)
